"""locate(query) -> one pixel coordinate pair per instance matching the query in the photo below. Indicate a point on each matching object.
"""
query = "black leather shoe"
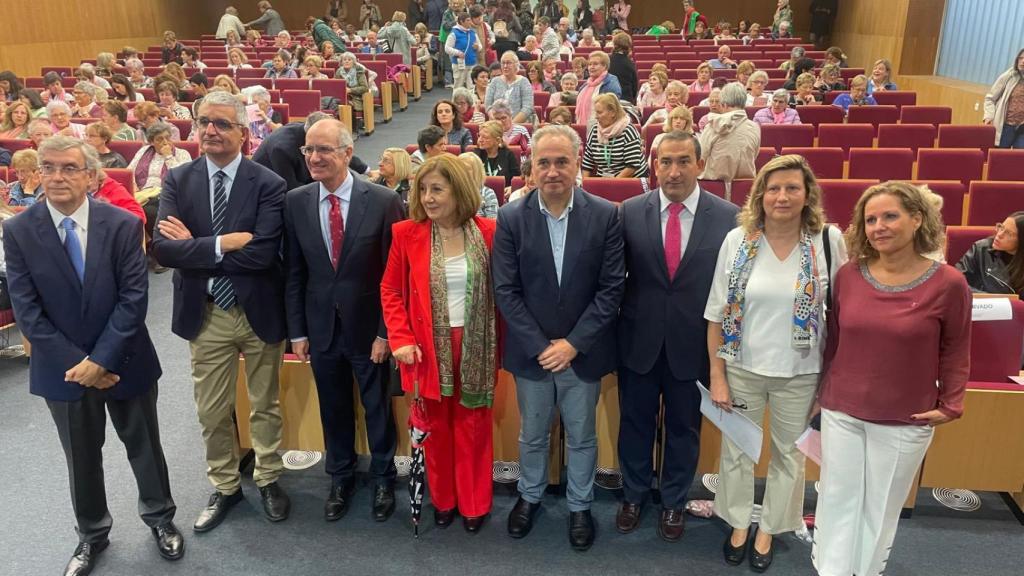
(472, 525)
(169, 541)
(760, 562)
(84, 558)
(215, 511)
(734, 555)
(581, 530)
(444, 518)
(338, 501)
(383, 502)
(520, 519)
(275, 502)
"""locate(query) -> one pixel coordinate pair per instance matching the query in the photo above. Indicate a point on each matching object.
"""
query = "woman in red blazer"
(442, 325)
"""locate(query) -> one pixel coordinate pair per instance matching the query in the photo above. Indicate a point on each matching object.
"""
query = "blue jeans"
(1012, 137)
(577, 403)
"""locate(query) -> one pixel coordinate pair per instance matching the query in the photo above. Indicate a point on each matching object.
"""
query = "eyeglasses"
(219, 124)
(1000, 229)
(321, 150)
(66, 171)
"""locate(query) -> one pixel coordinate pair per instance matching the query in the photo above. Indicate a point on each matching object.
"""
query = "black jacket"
(505, 164)
(625, 70)
(986, 269)
(280, 153)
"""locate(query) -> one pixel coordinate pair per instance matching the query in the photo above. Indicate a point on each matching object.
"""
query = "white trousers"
(866, 473)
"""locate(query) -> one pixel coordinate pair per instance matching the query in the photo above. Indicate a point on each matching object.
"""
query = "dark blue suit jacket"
(535, 308)
(256, 272)
(656, 310)
(315, 294)
(103, 317)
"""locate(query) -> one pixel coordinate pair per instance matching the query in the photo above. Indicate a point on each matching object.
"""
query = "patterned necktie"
(673, 239)
(336, 228)
(223, 291)
(73, 247)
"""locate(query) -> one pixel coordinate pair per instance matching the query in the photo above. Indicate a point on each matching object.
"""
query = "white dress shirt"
(685, 216)
(230, 171)
(81, 218)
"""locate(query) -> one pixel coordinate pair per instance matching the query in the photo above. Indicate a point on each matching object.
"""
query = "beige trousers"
(225, 335)
(790, 400)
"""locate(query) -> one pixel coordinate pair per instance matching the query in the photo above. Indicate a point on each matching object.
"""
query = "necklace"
(449, 237)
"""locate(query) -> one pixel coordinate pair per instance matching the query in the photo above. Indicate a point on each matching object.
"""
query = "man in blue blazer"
(558, 280)
(672, 237)
(336, 247)
(220, 226)
(77, 278)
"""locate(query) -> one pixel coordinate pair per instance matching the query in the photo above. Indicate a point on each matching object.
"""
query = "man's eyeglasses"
(65, 171)
(321, 150)
(219, 124)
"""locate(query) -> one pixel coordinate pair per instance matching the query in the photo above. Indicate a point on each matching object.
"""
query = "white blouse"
(455, 273)
(766, 345)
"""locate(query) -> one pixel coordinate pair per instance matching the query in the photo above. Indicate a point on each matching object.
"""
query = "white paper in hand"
(742, 431)
(810, 444)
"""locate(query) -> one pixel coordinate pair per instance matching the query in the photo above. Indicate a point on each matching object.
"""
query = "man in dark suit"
(672, 237)
(78, 284)
(558, 280)
(336, 248)
(280, 152)
(220, 225)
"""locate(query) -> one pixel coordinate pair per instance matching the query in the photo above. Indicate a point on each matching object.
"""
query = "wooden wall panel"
(921, 37)
(871, 29)
(965, 98)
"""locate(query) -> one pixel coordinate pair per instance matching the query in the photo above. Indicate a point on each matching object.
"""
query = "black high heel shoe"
(760, 562)
(734, 555)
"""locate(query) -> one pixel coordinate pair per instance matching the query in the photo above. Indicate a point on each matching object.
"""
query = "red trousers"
(459, 451)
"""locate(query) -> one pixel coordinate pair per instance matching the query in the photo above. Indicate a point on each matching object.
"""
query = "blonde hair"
(805, 79)
(99, 129)
(914, 200)
(232, 87)
(751, 217)
(678, 112)
(610, 100)
(494, 130)
(704, 65)
(403, 163)
(467, 198)
(25, 159)
(662, 78)
(314, 60)
(746, 67)
(475, 166)
(603, 57)
(241, 55)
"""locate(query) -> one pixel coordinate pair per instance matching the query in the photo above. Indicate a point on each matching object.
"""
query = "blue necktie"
(223, 291)
(73, 247)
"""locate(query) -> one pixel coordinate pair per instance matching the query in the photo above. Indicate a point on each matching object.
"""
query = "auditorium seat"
(778, 136)
(996, 346)
(846, 136)
(698, 113)
(818, 115)
(15, 144)
(614, 189)
(256, 72)
(243, 82)
(882, 163)
(953, 193)
(897, 98)
(541, 98)
(126, 148)
(873, 115)
(960, 238)
(991, 202)
(189, 146)
(1005, 164)
(825, 162)
(839, 197)
(934, 115)
(301, 103)
(649, 134)
(740, 191)
(963, 164)
(911, 136)
(474, 130)
(716, 187)
(184, 127)
(496, 183)
(981, 137)
(764, 155)
(695, 98)
(124, 176)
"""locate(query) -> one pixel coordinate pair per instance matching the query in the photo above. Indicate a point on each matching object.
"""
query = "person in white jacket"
(730, 141)
(230, 21)
(1004, 105)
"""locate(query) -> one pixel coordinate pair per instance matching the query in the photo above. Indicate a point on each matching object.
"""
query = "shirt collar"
(565, 213)
(230, 170)
(80, 216)
(690, 203)
(343, 192)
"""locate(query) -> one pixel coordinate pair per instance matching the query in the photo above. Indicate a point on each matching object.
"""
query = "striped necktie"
(223, 293)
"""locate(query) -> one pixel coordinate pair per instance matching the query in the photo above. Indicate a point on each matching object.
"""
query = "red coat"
(115, 193)
(405, 300)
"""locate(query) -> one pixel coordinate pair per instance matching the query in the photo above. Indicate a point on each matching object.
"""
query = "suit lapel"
(240, 194)
(700, 227)
(652, 221)
(311, 226)
(576, 235)
(357, 207)
(94, 249)
(199, 181)
(50, 241)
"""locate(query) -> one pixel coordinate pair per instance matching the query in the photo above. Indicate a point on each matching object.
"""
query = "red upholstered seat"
(614, 189)
(952, 192)
(184, 128)
(541, 98)
(716, 187)
(126, 148)
(825, 162)
(897, 98)
(950, 164)
(1004, 164)
(15, 145)
(302, 103)
(123, 176)
(250, 73)
(992, 202)
(873, 115)
(996, 346)
(882, 163)
(913, 136)
(292, 83)
(981, 137)
(740, 191)
(839, 198)
(846, 136)
(778, 136)
(818, 115)
(333, 87)
(934, 115)
(959, 240)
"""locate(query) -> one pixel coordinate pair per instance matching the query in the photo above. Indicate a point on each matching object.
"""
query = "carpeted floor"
(37, 527)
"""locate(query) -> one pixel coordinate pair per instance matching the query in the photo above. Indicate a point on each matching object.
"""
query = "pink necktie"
(337, 229)
(673, 239)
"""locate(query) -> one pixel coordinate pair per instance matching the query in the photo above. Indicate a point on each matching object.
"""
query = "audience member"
(136, 72)
(113, 192)
(880, 79)
(122, 89)
(568, 93)
(497, 159)
(599, 81)
(614, 148)
(743, 72)
(430, 142)
(796, 53)
(269, 21)
(357, 79)
(170, 49)
(680, 119)
(621, 66)
(466, 107)
(167, 97)
(59, 114)
(262, 117)
(489, 199)
(995, 265)
(805, 93)
(560, 115)
(115, 115)
(587, 39)
(514, 134)
(10, 85)
(190, 59)
(835, 55)
(779, 111)
(370, 15)
(225, 83)
(724, 33)
(730, 141)
(39, 130)
(55, 89)
(279, 67)
(703, 81)
(829, 79)
(752, 35)
(1004, 105)
(444, 115)
(535, 74)
(756, 84)
(531, 49)
(229, 22)
(461, 46)
(150, 166)
(676, 94)
(714, 105)
(802, 66)
(515, 90)
(85, 101)
(32, 99)
(481, 78)
(724, 59)
(394, 171)
(98, 136)
(15, 121)
(700, 31)
(28, 188)
(148, 114)
(857, 96)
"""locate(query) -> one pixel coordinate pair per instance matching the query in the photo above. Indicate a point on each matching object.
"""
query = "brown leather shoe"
(628, 517)
(671, 525)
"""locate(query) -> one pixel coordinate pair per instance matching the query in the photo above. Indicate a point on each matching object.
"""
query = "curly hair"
(927, 238)
(751, 217)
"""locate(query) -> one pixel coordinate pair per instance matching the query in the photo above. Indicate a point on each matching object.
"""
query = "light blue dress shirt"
(344, 193)
(557, 229)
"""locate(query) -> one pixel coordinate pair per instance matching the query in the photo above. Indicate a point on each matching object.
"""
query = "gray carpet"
(37, 527)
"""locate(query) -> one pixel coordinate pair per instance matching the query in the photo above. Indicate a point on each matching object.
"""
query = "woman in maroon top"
(896, 366)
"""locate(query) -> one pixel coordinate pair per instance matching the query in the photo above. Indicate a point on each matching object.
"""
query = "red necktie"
(337, 229)
(673, 239)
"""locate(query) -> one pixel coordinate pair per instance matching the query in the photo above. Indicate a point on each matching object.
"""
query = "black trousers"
(81, 426)
(639, 396)
(333, 370)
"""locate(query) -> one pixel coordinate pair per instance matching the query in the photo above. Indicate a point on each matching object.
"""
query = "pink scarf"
(585, 99)
(606, 134)
(779, 118)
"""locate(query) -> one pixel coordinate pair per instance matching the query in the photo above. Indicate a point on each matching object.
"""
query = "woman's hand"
(409, 354)
(932, 417)
(164, 149)
(720, 396)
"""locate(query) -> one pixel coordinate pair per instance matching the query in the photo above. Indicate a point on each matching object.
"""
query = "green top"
(657, 30)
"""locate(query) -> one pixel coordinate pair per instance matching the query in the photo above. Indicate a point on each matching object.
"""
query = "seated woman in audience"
(829, 79)
(513, 134)
(579, 67)
(614, 148)
(444, 115)
(512, 88)
(190, 60)
(9, 86)
(857, 96)
(756, 84)
(237, 60)
(560, 115)
(622, 67)
(254, 39)
(114, 193)
(150, 166)
(599, 81)
(32, 99)
(1004, 105)
(15, 123)
(835, 55)
(466, 106)
(654, 96)
(880, 77)
(137, 74)
(802, 66)
(805, 93)
(587, 39)
(263, 119)
(724, 33)
(730, 141)
(703, 81)
(779, 112)
(528, 183)
(298, 57)
(98, 136)
(328, 52)
(676, 94)
(28, 188)
(550, 66)
(995, 265)
(39, 129)
(231, 40)
(55, 89)
(86, 72)
(121, 89)
(753, 34)
(395, 170)
(148, 114)
(475, 169)
(714, 105)
(85, 101)
(114, 115)
(535, 74)
(59, 114)
(481, 78)
(795, 54)
(226, 83)
(311, 68)
(357, 78)
(531, 48)
(700, 32)
(680, 119)
(497, 159)
(567, 95)
(422, 47)
(176, 73)
(171, 49)
(167, 97)
(279, 68)
(744, 70)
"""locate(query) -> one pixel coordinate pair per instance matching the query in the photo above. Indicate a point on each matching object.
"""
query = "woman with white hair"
(587, 39)
(756, 84)
(59, 114)
(730, 141)
(514, 134)
(263, 119)
(779, 111)
(137, 74)
(512, 88)
(85, 101)
(567, 96)
(465, 106)
(356, 78)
